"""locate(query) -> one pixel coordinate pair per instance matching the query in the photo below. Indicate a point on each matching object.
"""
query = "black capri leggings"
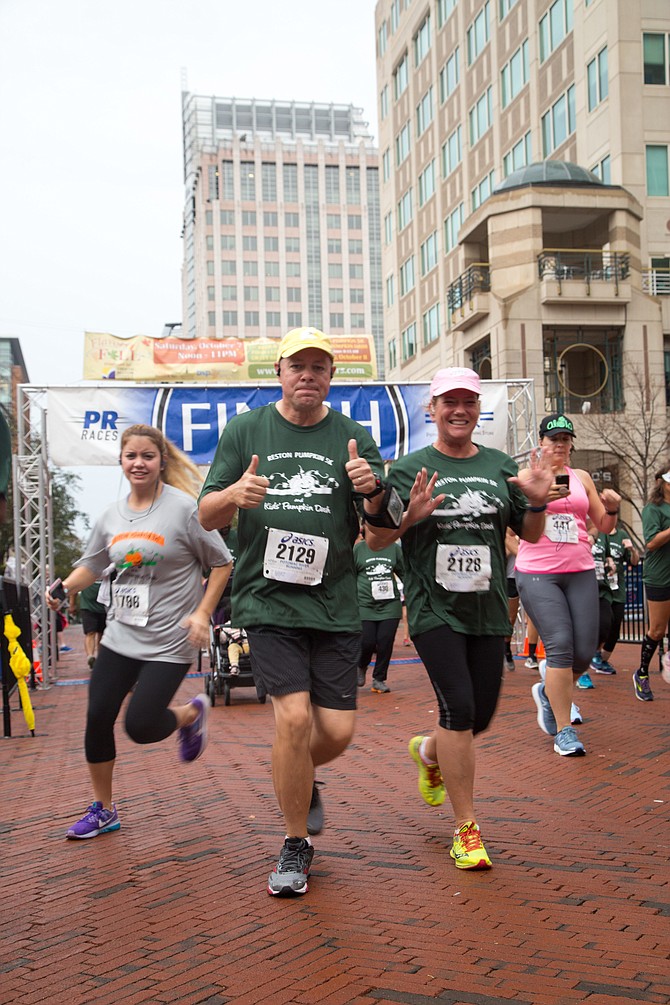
(465, 671)
(378, 637)
(148, 718)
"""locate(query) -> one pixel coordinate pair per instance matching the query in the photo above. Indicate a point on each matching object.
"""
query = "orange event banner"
(141, 358)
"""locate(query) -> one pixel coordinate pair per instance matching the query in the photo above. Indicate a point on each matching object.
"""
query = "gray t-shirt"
(160, 557)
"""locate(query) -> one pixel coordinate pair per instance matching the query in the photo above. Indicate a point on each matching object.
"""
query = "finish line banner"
(84, 424)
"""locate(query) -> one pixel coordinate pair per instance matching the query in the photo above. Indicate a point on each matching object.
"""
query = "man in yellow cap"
(293, 469)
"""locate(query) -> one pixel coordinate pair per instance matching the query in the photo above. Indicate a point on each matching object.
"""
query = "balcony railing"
(587, 265)
(477, 279)
(656, 282)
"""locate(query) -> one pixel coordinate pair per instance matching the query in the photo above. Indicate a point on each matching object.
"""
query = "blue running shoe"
(596, 662)
(642, 687)
(606, 668)
(95, 820)
(567, 743)
(584, 683)
(545, 716)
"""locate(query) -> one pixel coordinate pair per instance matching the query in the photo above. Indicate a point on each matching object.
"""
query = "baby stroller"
(220, 680)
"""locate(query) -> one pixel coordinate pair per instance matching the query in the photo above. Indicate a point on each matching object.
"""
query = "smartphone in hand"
(57, 590)
(563, 480)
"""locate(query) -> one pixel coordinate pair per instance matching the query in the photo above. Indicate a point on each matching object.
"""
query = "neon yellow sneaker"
(431, 783)
(468, 851)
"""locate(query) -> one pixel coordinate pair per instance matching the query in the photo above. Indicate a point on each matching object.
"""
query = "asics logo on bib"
(308, 542)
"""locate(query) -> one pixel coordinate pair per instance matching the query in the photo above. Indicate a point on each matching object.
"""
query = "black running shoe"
(290, 875)
(315, 814)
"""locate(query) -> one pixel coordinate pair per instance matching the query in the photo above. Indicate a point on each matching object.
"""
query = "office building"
(281, 220)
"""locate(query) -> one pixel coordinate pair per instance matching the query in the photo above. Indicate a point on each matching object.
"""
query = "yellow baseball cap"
(303, 338)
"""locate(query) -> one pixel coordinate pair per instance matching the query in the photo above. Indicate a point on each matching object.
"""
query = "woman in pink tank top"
(557, 582)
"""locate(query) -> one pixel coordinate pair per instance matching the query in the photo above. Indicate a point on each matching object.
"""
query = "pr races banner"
(107, 357)
(84, 424)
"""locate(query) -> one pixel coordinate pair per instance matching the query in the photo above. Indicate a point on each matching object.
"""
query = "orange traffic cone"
(539, 650)
(37, 662)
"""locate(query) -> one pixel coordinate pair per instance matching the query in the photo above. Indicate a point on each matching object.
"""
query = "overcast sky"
(91, 155)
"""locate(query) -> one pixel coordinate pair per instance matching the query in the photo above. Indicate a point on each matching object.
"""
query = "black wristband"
(379, 487)
(612, 512)
(537, 509)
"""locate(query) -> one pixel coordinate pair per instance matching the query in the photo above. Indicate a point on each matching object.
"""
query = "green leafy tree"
(67, 544)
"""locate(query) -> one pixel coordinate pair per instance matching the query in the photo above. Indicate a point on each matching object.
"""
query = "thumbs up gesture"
(361, 474)
(251, 488)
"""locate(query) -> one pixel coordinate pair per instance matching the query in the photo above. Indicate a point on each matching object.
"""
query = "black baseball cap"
(556, 423)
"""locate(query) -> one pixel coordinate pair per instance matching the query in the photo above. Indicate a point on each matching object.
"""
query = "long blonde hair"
(178, 470)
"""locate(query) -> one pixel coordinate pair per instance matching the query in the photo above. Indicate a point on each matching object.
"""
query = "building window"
(334, 246)
(271, 243)
(393, 354)
(355, 271)
(209, 217)
(452, 152)
(251, 318)
(294, 319)
(358, 320)
(654, 47)
(272, 293)
(603, 170)
(429, 253)
(248, 217)
(333, 221)
(514, 75)
(337, 320)
(356, 295)
(209, 242)
(292, 220)
(249, 242)
(293, 269)
(505, 7)
(230, 318)
(334, 270)
(270, 219)
(386, 164)
(407, 276)
(409, 342)
(424, 112)
(355, 246)
(354, 221)
(332, 183)
(480, 117)
(405, 212)
(250, 293)
(293, 294)
(336, 295)
(227, 180)
(431, 324)
(290, 182)
(452, 225)
(400, 77)
(427, 183)
(519, 156)
(482, 191)
(559, 122)
(228, 268)
(450, 75)
(597, 85)
(657, 170)
(402, 144)
(210, 267)
(272, 268)
(554, 26)
(478, 33)
(353, 180)
(390, 290)
(227, 217)
(422, 41)
(388, 228)
(384, 102)
(247, 181)
(269, 181)
(228, 242)
(229, 292)
(395, 15)
(273, 319)
(293, 244)
(249, 268)
(210, 293)
(382, 38)
(445, 8)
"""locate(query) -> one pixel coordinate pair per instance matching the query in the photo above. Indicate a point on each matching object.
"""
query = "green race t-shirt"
(294, 565)
(611, 586)
(377, 587)
(656, 563)
(455, 564)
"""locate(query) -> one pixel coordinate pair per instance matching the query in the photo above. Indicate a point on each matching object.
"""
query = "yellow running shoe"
(431, 783)
(468, 851)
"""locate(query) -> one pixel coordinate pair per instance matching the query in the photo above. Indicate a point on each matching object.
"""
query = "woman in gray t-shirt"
(153, 554)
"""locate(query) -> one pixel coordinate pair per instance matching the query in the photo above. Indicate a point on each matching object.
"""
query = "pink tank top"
(565, 545)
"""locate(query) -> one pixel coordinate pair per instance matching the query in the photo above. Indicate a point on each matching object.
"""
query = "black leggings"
(610, 638)
(148, 718)
(466, 672)
(378, 637)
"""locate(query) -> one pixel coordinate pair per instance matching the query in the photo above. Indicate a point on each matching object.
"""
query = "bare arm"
(603, 508)
(78, 580)
(217, 509)
(198, 622)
